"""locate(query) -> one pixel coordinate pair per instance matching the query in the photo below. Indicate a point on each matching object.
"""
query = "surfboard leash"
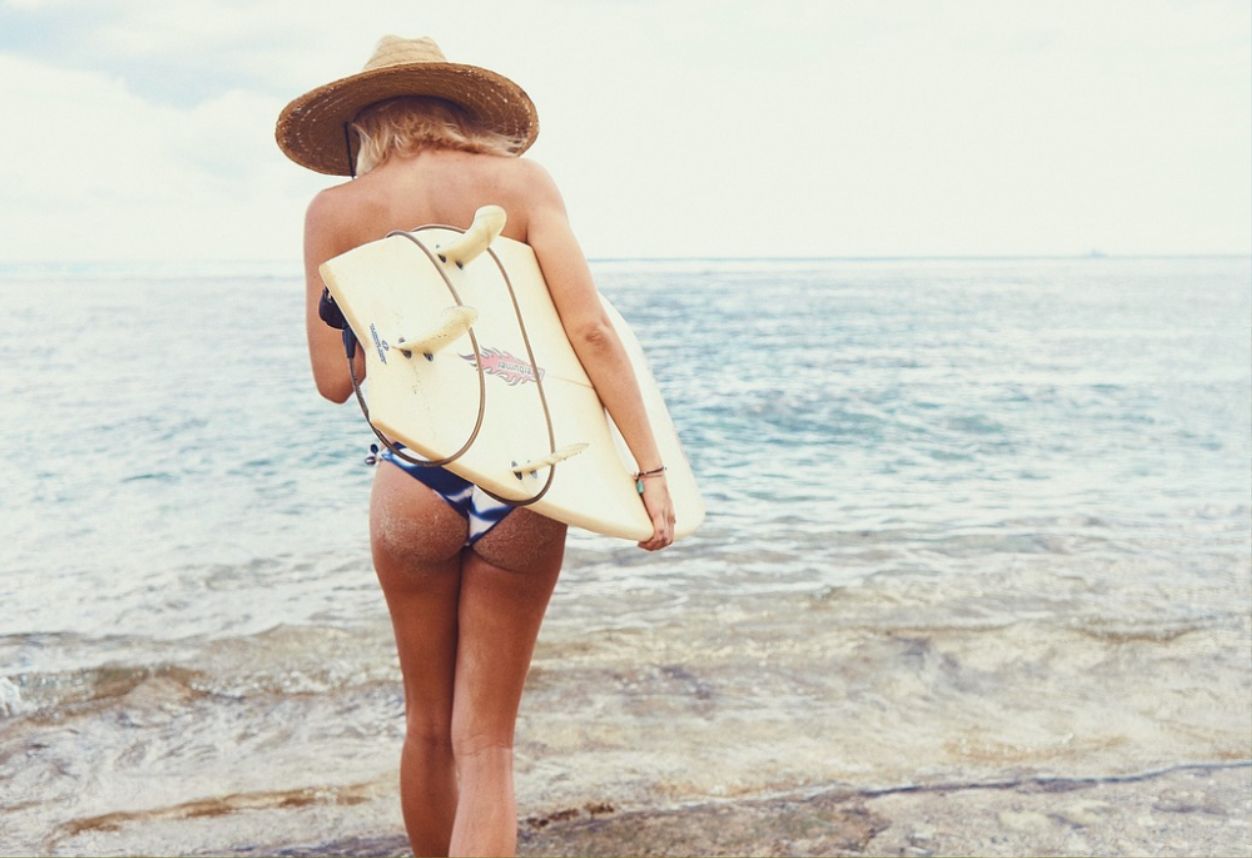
(534, 368)
(350, 343)
(530, 353)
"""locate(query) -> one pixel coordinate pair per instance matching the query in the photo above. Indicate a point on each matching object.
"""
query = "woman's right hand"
(660, 507)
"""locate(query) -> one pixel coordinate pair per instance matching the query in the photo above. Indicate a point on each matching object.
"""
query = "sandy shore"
(1185, 810)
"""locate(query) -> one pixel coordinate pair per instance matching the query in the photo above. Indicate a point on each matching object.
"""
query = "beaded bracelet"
(639, 475)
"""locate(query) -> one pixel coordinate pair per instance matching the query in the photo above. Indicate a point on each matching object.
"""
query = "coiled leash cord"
(333, 316)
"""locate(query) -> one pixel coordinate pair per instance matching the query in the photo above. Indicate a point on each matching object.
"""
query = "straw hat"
(312, 129)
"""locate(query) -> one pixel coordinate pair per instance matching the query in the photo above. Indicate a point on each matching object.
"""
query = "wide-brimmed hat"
(312, 129)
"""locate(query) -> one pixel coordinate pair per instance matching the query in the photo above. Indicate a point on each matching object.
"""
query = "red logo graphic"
(508, 367)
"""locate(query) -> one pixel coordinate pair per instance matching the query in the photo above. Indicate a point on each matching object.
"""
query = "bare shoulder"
(337, 216)
(327, 225)
(521, 185)
(534, 180)
(327, 207)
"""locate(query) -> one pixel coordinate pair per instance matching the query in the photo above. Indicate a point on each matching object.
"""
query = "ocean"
(968, 520)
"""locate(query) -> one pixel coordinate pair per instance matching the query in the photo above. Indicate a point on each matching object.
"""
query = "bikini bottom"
(480, 509)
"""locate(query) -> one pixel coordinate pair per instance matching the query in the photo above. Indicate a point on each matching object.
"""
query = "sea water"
(965, 517)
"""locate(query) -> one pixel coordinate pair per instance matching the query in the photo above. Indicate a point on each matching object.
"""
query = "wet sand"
(1190, 810)
(1184, 810)
(782, 724)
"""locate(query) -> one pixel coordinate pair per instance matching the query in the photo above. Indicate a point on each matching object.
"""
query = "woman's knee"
(428, 738)
(468, 745)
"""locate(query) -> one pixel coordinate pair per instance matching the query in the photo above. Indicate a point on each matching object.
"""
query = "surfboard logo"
(505, 365)
(379, 343)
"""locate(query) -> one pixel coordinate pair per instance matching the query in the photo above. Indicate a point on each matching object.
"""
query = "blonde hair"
(410, 123)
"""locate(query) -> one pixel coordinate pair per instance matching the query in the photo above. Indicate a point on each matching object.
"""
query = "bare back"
(440, 186)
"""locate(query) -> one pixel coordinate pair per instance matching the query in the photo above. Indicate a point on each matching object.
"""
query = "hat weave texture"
(310, 129)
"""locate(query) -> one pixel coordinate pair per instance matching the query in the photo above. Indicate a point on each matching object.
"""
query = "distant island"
(1096, 254)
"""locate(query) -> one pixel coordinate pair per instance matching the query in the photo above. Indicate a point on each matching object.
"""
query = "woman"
(467, 579)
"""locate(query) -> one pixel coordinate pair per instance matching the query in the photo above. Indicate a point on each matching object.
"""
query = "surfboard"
(466, 357)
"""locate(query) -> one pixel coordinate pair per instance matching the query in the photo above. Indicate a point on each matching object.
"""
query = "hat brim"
(310, 130)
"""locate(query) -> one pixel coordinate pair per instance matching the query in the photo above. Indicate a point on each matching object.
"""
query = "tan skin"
(466, 619)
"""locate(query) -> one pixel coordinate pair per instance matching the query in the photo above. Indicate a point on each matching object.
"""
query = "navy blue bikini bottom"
(480, 509)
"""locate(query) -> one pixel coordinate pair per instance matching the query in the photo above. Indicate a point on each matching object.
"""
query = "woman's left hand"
(660, 507)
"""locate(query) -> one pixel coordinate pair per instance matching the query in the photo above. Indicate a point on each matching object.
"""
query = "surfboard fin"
(488, 221)
(455, 322)
(534, 465)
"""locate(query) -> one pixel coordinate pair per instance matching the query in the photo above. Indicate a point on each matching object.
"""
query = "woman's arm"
(330, 366)
(594, 339)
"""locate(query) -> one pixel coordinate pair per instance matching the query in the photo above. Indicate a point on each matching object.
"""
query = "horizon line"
(858, 258)
(1095, 256)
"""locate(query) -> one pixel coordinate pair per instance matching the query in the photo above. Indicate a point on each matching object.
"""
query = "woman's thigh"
(507, 580)
(416, 540)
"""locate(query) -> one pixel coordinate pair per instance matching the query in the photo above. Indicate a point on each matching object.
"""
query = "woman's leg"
(416, 540)
(506, 581)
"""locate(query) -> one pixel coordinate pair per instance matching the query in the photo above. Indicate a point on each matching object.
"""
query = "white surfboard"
(422, 302)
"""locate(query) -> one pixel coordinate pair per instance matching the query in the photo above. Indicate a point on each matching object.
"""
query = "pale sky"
(141, 129)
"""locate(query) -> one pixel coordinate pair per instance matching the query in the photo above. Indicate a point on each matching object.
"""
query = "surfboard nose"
(488, 222)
